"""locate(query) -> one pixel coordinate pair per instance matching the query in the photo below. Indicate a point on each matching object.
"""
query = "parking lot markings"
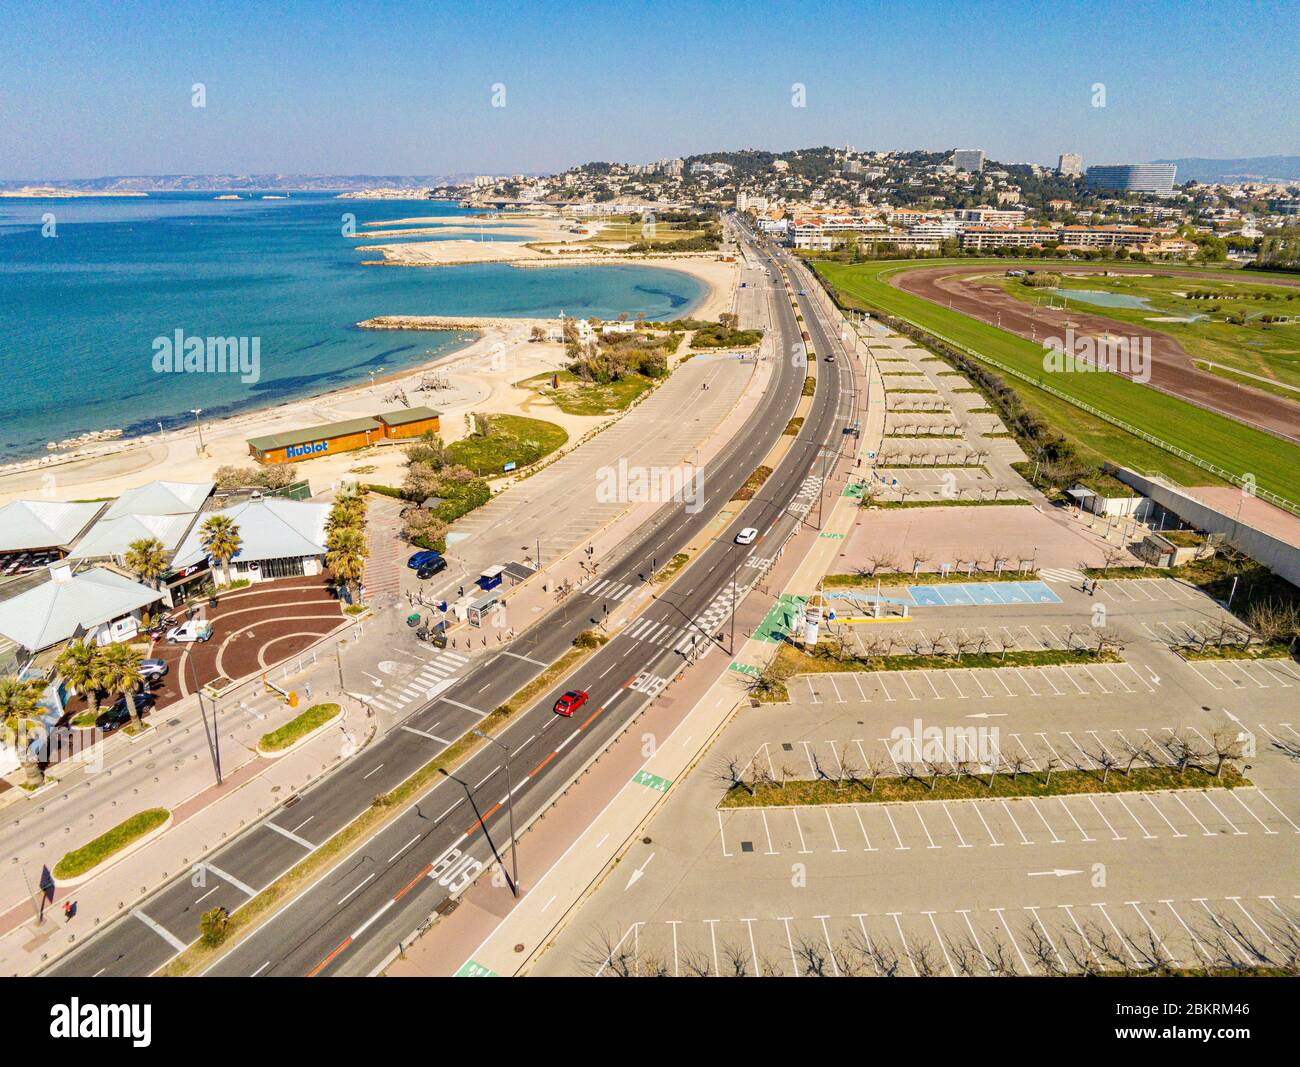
(794, 962)
(900, 847)
(803, 845)
(942, 944)
(1236, 832)
(1286, 918)
(1267, 828)
(1237, 901)
(1084, 937)
(983, 691)
(1264, 797)
(1021, 674)
(965, 914)
(995, 843)
(1156, 808)
(1113, 832)
(722, 835)
(1023, 962)
(1046, 936)
(1122, 939)
(857, 812)
(768, 830)
(1149, 836)
(1205, 830)
(1023, 839)
(834, 836)
(961, 841)
(1055, 840)
(1247, 957)
(1068, 812)
(1196, 941)
(1086, 758)
(1136, 906)
(916, 808)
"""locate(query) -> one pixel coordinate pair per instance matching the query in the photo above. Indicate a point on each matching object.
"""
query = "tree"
(121, 666)
(19, 701)
(220, 538)
(346, 557)
(212, 926)
(81, 666)
(147, 560)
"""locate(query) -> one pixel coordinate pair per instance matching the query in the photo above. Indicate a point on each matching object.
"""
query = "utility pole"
(211, 735)
(510, 807)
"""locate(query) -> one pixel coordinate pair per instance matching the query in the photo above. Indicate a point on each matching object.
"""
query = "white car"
(194, 630)
(747, 536)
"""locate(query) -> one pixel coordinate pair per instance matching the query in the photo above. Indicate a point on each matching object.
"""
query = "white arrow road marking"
(1059, 872)
(988, 715)
(638, 872)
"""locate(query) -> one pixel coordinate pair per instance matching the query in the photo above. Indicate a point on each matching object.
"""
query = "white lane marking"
(160, 930)
(425, 733)
(232, 880)
(291, 836)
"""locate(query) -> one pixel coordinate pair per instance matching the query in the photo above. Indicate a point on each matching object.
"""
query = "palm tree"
(19, 699)
(122, 674)
(347, 555)
(147, 560)
(81, 666)
(220, 538)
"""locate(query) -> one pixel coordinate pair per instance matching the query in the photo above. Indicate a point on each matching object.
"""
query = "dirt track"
(1172, 370)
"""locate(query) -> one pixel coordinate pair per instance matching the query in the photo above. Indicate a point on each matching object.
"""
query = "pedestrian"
(69, 910)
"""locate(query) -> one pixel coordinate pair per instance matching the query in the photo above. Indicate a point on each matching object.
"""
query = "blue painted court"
(965, 593)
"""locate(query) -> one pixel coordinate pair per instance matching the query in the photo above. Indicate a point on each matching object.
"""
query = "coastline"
(477, 376)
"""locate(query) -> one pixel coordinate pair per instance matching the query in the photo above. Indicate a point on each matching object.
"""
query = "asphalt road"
(352, 917)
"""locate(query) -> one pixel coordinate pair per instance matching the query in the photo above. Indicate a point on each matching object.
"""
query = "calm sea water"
(79, 311)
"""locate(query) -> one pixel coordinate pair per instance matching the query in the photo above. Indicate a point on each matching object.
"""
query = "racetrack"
(1172, 370)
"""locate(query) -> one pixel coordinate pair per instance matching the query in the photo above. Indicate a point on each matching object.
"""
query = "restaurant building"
(330, 438)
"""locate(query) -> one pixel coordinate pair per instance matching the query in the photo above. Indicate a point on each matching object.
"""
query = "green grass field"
(512, 439)
(1270, 350)
(577, 397)
(1213, 438)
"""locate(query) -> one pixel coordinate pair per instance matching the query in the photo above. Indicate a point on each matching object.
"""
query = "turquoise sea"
(79, 310)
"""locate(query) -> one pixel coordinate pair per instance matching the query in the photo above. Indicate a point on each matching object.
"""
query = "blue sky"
(89, 89)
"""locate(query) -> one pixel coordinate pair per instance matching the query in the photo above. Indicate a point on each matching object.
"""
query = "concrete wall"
(1278, 556)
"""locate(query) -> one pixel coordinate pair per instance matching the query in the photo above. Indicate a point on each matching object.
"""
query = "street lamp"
(196, 412)
(510, 806)
(214, 738)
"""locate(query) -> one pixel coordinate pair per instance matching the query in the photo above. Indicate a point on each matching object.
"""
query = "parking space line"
(1122, 939)
(1155, 807)
(1068, 812)
(1237, 901)
(1247, 957)
(834, 836)
(902, 937)
(1145, 833)
(979, 685)
(942, 944)
(1196, 941)
(1264, 797)
(1047, 936)
(1113, 832)
(803, 845)
(1088, 670)
(1055, 840)
(911, 695)
(857, 811)
(917, 809)
(722, 836)
(965, 914)
(1023, 839)
(1086, 758)
(995, 842)
(900, 847)
(961, 841)
(1246, 807)
(768, 830)
(1016, 944)
(794, 962)
(160, 930)
(1084, 937)
(1235, 831)
(1205, 830)
(1073, 680)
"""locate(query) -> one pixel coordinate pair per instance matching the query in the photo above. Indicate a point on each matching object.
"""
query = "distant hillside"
(182, 183)
(1252, 168)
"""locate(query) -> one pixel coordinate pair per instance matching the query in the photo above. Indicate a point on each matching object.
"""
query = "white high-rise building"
(1070, 164)
(969, 159)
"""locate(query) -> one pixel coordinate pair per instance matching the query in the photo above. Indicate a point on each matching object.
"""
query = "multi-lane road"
(349, 920)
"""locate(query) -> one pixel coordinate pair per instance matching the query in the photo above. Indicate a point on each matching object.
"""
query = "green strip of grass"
(82, 859)
(949, 787)
(826, 661)
(574, 396)
(510, 439)
(1232, 652)
(298, 727)
(1211, 437)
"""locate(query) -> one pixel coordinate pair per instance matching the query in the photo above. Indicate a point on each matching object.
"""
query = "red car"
(571, 702)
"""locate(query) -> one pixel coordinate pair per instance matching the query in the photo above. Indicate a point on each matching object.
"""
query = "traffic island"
(298, 730)
(985, 785)
(82, 863)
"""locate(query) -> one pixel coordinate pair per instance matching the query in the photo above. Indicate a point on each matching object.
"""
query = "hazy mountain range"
(1251, 168)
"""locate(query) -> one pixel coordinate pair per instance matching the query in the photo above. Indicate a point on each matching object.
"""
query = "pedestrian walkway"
(437, 674)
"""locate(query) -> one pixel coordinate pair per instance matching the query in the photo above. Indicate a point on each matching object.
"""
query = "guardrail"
(1245, 482)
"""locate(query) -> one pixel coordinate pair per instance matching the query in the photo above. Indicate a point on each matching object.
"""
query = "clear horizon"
(88, 90)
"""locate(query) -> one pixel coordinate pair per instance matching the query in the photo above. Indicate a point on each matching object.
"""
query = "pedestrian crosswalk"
(660, 634)
(609, 589)
(719, 608)
(436, 675)
(1059, 574)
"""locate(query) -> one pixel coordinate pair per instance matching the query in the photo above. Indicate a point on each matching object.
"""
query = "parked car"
(194, 630)
(153, 668)
(747, 536)
(421, 558)
(120, 713)
(571, 702)
(432, 567)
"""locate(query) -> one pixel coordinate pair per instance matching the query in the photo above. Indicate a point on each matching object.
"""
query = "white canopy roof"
(269, 528)
(69, 604)
(31, 524)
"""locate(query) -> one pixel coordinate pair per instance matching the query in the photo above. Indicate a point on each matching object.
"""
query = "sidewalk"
(490, 933)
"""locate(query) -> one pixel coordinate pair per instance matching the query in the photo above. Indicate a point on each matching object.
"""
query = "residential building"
(991, 216)
(1106, 236)
(969, 159)
(1008, 237)
(1155, 178)
(1070, 164)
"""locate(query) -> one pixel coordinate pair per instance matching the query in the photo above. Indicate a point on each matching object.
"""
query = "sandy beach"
(480, 377)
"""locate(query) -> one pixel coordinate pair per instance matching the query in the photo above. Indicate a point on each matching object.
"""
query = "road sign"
(471, 969)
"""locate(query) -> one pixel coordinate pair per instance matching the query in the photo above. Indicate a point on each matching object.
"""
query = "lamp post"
(196, 412)
(510, 807)
(214, 738)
